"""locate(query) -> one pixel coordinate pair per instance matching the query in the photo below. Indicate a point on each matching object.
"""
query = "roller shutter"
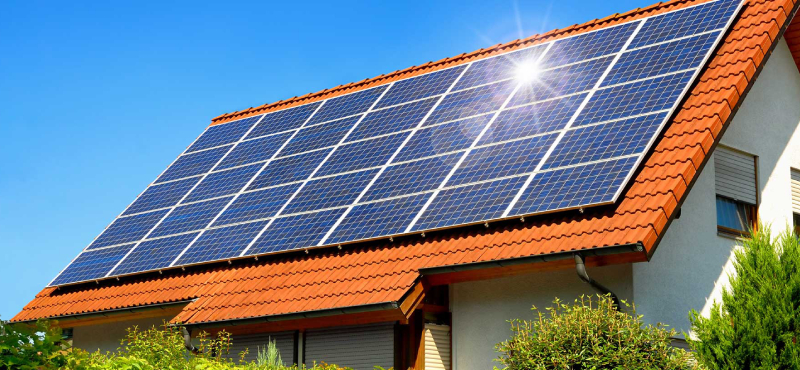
(736, 175)
(437, 347)
(359, 347)
(284, 341)
(796, 191)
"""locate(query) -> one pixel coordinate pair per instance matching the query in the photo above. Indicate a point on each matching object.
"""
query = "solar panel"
(467, 144)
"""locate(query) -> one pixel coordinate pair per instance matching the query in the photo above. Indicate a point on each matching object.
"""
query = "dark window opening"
(734, 217)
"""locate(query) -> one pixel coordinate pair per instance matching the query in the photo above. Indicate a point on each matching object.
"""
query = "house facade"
(729, 157)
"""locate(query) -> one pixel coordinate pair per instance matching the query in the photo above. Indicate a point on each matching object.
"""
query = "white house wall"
(481, 309)
(692, 262)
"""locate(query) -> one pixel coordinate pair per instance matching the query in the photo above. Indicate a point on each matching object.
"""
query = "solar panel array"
(456, 146)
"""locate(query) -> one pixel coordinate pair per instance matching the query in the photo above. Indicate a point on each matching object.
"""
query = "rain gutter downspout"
(187, 341)
(580, 267)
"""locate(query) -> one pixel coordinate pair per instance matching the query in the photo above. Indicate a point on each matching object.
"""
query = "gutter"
(580, 267)
(111, 313)
(297, 316)
(617, 249)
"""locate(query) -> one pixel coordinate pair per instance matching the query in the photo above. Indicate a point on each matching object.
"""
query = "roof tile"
(376, 273)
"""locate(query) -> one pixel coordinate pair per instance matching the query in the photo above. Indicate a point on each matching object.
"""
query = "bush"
(37, 346)
(757, 324)
(589, 334)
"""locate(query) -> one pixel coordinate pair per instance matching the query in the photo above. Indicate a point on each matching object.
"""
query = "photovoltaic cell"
(223, 134)
(411, 177)
(397, 118)
(320, 136)
(222, 183)
(685, 22)
(420, 87)
(161, 196)
(222, 243)
(347, 105)
(256, 150)
(634, 98)
(471, 102)
(561, 81)
(532, 119)
(289, 169)
(589, 45)
(507, 159)
(293, 232)
(92, 265)
(661, 59)
(330, 192)
(574, 186)
(257, 205)
(154, 254)
(505, 175)
(362, 154)
(498, 68)
(604, 141)
(193, 164)
(377, 219)
(283, 120)
(444, 138)
(190, 217)
(469, 204)
(127, 229)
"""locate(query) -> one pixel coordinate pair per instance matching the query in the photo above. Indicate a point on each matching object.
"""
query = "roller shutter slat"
(283, 340)
(735, 175)
(437, 347)
(359, 347)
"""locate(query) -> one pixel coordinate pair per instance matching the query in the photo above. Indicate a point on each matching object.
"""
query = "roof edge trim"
(387, 306)
(605, 251)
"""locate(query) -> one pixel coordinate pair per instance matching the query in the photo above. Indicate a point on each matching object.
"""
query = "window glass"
(734, 216)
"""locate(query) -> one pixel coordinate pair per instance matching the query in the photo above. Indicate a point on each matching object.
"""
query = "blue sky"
(97, 99)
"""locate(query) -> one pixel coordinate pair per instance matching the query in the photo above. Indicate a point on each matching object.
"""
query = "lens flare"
(527, 72)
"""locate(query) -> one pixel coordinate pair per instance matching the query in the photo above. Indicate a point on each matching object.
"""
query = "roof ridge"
(458, 59)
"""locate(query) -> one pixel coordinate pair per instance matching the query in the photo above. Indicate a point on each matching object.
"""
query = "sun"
(527, 72)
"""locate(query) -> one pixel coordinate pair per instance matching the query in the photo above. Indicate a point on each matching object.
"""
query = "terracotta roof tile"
(365, 274)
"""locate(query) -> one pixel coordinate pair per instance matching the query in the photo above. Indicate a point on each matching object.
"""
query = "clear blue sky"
(96, 100)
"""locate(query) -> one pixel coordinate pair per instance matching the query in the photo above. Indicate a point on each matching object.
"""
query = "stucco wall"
(481, 309)
(691, 265)
(107, 337)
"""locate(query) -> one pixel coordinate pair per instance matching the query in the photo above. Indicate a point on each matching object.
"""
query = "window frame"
(753, 208)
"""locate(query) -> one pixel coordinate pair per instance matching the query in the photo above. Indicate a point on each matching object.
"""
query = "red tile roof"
(384, 272)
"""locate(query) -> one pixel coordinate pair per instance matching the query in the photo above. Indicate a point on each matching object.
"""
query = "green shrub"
(757, 324)
(589, 334)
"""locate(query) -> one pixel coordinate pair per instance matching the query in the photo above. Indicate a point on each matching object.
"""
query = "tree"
(757, 324)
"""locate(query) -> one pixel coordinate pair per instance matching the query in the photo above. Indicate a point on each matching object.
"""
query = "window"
(737, 192)
(796, 200)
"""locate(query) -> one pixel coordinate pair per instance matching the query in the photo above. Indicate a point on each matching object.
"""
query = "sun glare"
(527, 72)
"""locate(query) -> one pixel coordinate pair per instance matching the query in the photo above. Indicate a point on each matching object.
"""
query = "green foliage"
(757, 324)
(589, 334)
(35, 346)
(24, 347)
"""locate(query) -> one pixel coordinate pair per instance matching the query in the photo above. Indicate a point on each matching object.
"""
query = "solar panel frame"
(376, 105)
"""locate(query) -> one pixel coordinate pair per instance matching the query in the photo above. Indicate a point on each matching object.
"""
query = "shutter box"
(735, 174)
(437, 347)
(285, 341)
(796, 191)
(360, 347)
